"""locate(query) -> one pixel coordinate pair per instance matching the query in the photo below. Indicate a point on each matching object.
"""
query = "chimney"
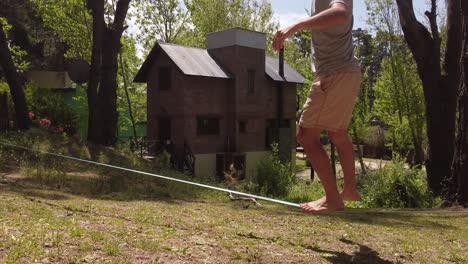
(236, 37)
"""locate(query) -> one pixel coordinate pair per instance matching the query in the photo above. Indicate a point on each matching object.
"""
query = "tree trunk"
(14, 82)
(108, 115)
(104, 101)
(359, 152)
(459, 183)
(97, 10)
(439, 87)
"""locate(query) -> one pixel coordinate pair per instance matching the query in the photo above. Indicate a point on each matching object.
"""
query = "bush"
(305, 191)
(395, 186)
(50, 105)
(273, 178)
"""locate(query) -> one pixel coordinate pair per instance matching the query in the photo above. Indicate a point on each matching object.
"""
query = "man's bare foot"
(345, 195)
(350, 195)
(325, 207)
(313, 204)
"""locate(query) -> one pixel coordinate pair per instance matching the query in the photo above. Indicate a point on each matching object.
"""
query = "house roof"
(191, 61)
(198, 62)
(290, 74)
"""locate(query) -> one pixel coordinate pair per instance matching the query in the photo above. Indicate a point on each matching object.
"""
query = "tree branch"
(416, 34)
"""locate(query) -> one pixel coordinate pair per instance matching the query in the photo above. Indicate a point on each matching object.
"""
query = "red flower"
(45, 122)
(58, 130)
(31, 115)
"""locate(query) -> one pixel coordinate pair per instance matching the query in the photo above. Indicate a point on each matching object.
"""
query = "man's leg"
(309, 138)
(346, 151)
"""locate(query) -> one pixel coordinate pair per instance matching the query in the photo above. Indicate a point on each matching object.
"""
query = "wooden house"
(220, 105)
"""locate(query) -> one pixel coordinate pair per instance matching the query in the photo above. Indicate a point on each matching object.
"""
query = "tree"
(459, 179)
(370, 59)
(399, 103)
(102, 102)
(440, 82)
(213, 15)
(70, 22)
(41, 47)
(163, 20)
(14, 81)
(399, 97)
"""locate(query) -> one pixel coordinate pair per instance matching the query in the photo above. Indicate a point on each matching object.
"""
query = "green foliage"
(45, 103)
(72, 23)
(395, 186)
(305, 191)
(272, 177)
(399, 94)
(17, 54)
(137, 92)
(400, 102)
(162, 20)
(213, 15)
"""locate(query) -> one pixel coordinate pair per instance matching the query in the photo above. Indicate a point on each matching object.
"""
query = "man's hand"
(281, 36)
(337, 14)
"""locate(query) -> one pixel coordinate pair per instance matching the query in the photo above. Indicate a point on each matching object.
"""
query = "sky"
(287, 11)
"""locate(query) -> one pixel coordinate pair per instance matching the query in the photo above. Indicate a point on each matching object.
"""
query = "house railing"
(145, 147)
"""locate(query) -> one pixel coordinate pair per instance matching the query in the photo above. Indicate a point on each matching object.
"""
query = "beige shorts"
(331, 101)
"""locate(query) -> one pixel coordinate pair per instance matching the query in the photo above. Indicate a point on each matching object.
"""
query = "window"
(165, 79)
(250, 81)
(243, 127)
(207, 126)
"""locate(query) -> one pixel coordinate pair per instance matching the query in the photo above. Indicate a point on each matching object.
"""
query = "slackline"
(155, 175)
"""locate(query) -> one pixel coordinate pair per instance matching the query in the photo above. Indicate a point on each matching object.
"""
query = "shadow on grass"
(116, 186)
(364, 255)
(400, 218)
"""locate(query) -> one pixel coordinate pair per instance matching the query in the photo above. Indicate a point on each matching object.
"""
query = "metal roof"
(198, 62)
(290, 74)
(190, 60)
(194, 61)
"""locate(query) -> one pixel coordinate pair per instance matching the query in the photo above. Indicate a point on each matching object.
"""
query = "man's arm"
(338, 14)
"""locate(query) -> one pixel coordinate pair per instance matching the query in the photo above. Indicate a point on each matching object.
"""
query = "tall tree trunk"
(14, 82)
(108, 115)
(460, 162)
(105, 116)
(97, 10)
(439, 87)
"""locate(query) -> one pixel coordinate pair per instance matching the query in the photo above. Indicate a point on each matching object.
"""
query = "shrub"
(51, 110)
(273, 177)
(395, 186)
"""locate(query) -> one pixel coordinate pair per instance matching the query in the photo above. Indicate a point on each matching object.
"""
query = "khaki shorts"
(331, 101)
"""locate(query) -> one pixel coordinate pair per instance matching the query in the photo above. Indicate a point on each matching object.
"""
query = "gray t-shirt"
(332, 48)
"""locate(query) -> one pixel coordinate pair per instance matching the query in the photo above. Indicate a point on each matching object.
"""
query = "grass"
(145, 220)
(75, 228)
(301, 164)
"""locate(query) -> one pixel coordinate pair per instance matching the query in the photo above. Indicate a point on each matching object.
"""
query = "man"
(332, 96)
